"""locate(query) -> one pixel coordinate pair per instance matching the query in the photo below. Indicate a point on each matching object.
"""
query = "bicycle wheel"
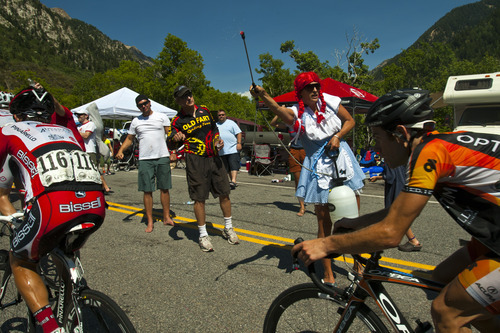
(304, 308)
(99, 314)
(13, 313)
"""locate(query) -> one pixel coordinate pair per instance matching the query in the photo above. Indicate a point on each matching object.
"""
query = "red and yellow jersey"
(200, 130)
(462, 170)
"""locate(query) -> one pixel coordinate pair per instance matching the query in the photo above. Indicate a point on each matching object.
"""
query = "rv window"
(474, 84)
(481, 116)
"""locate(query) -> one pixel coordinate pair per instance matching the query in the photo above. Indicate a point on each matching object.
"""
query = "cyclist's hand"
(119, 155)
(310, 251)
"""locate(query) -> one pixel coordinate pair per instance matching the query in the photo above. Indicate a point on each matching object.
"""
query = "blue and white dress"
(314, 185)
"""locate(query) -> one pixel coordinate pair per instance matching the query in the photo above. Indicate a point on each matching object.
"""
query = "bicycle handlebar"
(330, 290)
(8, 218)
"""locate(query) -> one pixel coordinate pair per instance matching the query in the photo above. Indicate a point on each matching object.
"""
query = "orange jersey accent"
(462, 170)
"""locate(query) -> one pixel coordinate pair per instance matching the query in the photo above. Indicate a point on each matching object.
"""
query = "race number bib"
(62, 165)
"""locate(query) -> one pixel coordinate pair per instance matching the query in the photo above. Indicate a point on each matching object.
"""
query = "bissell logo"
(30, 165)
(80, 207)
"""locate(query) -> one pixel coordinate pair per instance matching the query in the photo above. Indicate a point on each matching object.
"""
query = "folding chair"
(281, 161)
(262, 161)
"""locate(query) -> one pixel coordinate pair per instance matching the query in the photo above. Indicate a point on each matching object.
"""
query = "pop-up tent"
(121, 105)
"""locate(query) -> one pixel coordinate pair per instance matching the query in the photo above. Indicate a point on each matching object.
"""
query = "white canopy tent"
(121, 105)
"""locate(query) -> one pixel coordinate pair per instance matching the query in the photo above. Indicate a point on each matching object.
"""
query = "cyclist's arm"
(379, 236)
(359, 223)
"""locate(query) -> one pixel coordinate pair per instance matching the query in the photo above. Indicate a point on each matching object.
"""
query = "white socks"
(203, 230)
(228, 223)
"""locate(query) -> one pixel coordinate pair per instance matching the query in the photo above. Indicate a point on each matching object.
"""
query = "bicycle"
(76, 307)
(311, 307)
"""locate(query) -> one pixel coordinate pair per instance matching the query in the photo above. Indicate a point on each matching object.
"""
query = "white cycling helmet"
(5, 99)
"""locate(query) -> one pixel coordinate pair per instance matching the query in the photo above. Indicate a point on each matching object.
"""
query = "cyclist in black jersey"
(462, 170)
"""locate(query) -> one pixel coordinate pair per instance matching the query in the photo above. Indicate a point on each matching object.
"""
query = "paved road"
(166, 284)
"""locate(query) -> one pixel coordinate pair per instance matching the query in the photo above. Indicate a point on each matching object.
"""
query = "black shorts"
(206, 175)
(231, 161)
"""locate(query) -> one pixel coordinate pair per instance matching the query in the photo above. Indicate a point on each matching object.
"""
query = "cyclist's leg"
(6, 181)
(447, 270)
(6, 207)
(29, 283)
(470, 298)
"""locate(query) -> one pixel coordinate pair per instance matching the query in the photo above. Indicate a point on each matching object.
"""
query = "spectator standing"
(107, 159)
(154, 162)
(230, 134)
(197, 130)
(295, 160)
(321, 122)
(395, 180)
(87, 130)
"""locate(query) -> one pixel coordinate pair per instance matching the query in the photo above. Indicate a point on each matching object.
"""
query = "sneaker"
(205, 244)
(231, 236)
(232, 185)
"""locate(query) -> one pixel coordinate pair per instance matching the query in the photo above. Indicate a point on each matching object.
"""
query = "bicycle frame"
(371, 285)
(71, 282)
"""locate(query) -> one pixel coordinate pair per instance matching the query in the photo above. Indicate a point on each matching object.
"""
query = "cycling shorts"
(6, 177)
(481, 279)
(50, 216)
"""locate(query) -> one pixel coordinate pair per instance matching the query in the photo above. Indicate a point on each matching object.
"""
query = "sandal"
(409, 247)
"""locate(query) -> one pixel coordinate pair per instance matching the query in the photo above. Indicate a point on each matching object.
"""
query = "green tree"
(177, 64)
(276, 80)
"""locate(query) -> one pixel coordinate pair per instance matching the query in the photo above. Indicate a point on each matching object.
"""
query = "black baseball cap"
(140, 97)
(180, 91)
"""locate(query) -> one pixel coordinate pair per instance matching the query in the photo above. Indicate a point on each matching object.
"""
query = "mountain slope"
(36, 36)
(471, 30)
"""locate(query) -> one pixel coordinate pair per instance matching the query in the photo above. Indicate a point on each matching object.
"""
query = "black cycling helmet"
(33, 103)
(400, 107)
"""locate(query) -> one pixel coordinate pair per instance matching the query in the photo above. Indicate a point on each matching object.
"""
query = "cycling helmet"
(33, 103)
(407, 107)
(5, 98)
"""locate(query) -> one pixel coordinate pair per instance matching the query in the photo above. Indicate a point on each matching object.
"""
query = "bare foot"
(170, 222)
(301, 212)
(149, 228)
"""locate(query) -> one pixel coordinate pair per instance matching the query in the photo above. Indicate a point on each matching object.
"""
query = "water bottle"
(342, 202)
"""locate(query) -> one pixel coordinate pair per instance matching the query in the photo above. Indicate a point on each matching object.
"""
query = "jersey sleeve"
(428, 163)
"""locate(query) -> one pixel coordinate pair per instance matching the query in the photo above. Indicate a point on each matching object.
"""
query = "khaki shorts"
(206, 175)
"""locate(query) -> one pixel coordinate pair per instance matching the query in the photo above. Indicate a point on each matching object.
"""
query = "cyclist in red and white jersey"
(462, 170)
(63, 189)
(6, 177)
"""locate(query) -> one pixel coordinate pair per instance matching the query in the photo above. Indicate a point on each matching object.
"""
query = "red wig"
(301, 81)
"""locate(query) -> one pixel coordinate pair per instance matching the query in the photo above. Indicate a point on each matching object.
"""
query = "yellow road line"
(190, 223)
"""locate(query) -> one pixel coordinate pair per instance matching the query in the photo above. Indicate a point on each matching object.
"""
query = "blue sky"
(212, 28)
